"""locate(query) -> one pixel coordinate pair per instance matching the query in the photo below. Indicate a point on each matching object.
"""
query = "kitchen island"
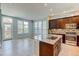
(50, 46)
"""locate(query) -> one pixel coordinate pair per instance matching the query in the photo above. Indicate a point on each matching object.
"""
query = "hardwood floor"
(30, 47)
(20, 47)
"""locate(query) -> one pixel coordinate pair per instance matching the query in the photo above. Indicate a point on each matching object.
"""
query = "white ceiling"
(32, 11)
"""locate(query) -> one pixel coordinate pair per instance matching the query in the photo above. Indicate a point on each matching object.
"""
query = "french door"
(7, 28)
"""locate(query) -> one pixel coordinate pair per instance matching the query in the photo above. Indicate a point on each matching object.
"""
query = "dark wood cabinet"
(77, 40)
(60, 23)
(52, 24)
(46, 49)
(63, 38)
(76, 20)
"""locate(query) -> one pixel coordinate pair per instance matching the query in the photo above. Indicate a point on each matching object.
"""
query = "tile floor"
(68, 50)
(29, 47)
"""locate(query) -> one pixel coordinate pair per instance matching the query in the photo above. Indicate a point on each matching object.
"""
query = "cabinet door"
(60, 23)
(45, 49)
(76, 20)
(52, 24)
(77, 40)
(57, 47)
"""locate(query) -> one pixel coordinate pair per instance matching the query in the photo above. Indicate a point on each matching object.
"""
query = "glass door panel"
(7, 28)
(7, 31)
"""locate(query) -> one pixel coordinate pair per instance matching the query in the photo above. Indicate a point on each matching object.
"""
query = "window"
(45, 30)
(26, 27)
(35, 25)
(40, 25)
(38, 29)
(7, 20)
(20, 27)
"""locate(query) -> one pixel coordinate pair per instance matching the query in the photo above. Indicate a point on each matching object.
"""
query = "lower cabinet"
(77, 40)
(57, 47)
(46, 49)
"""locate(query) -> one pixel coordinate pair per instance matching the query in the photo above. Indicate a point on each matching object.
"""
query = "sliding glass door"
(7, 28)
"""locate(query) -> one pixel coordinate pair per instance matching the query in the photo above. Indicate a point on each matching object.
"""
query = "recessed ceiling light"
(64, 11)
(50, 9)
(68, 11)
(45, 4)
(52, 14)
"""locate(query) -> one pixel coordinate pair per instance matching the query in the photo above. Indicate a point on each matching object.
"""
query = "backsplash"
(77, 31)
(61, 31)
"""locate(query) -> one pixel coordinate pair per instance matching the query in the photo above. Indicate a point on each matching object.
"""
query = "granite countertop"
(50, 41)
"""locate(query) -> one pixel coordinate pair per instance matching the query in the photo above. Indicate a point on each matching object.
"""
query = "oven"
(71, 34)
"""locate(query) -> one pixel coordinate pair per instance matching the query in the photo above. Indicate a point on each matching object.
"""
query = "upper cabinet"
(52, 24)
(76, 20)
(61, 22)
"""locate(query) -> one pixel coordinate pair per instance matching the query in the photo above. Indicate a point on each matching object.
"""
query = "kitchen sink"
(52, 38)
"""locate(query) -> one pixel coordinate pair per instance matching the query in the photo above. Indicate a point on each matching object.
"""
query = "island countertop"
(50, 47)
(50, 41)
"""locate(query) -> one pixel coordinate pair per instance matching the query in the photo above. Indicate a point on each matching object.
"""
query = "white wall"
(0, 5)
(0, 28)
(64, 15)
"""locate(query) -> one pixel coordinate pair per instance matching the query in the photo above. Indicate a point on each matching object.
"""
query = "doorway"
(7, 28)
